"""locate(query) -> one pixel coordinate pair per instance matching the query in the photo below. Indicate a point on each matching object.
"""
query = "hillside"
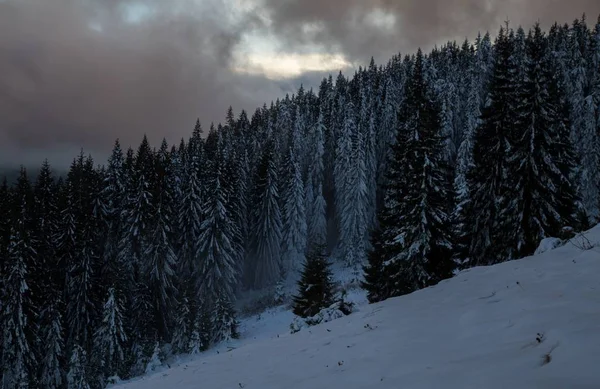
(477, 330)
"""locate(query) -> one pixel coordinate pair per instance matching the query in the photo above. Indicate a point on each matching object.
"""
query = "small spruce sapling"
(315, 288)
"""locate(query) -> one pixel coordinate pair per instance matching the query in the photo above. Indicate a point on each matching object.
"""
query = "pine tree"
(388, 111)
(315, 200)
(45, 213)
(224, 325)
(218, 276)
(113, 193)
(110, 338)
(201, 331)
(159, 268)
(541, 162)
(77, 376)
(486, 228)
(183, 322)
(49, 275)
(189, 221)
(155, 359)
(138, 217)
(5, 209)
(351, 192)
(315, 288)
(267, 222)
(17, 320)
(81, 285)
(583, 119)
(51, 375)
(464, 165)
(380, 276)
(294, 225)
(414, 237)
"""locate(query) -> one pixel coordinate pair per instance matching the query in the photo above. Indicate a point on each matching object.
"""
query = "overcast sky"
(80, 73)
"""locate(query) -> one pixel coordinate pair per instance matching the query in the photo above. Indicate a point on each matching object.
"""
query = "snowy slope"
(477, 330)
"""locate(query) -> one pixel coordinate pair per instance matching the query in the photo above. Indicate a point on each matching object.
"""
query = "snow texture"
(533, 323)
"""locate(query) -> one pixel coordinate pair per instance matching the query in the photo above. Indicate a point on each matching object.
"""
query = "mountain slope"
(477, 330)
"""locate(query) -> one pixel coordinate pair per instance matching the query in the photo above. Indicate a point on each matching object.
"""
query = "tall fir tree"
(159, 266)
(110, 339)
(267, 221)
(316, 207)
(351, 189)
(81, 284)
(415, 238)
(18, 317)
(189, 221)
(489, 233)
(543, 200)
(294, 220)
(52, 350)
(217, 277)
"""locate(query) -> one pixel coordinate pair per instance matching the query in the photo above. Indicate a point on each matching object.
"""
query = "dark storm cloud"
(347, 25)
(64, 86)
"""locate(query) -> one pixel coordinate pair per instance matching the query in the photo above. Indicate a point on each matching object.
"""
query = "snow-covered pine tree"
(138, 217)
(487, 231)
(66, 239)
(334, 160)
(417, 239)
(52, 346)
(594, 103)
(138, 209)
(584, 132)
(217, 276)
(441, 73)
(113, 193)
(110, 339)
(369, 89)
(48, 286)
(160, 262)
(5, 209)
(267, 221)
(519, 57)
(182, 324)
(315, 200)
(484, 63)
(378, 282)
(386, 131)
(155, 360)
(77, 376)
(351, 191)
(45, 214)
(542, 199)
(201, 331)
(315, 287)
(17, 318)
(342, 163)
(464, 164)
(294, 220)
(234, 183)
(189, 219)
(81, 288)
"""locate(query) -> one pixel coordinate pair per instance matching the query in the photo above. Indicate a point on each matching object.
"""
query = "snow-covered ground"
(533, 323)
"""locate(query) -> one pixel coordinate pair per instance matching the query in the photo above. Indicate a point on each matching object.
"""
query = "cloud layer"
(74, 74)
(64, 85)
(381, 28)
